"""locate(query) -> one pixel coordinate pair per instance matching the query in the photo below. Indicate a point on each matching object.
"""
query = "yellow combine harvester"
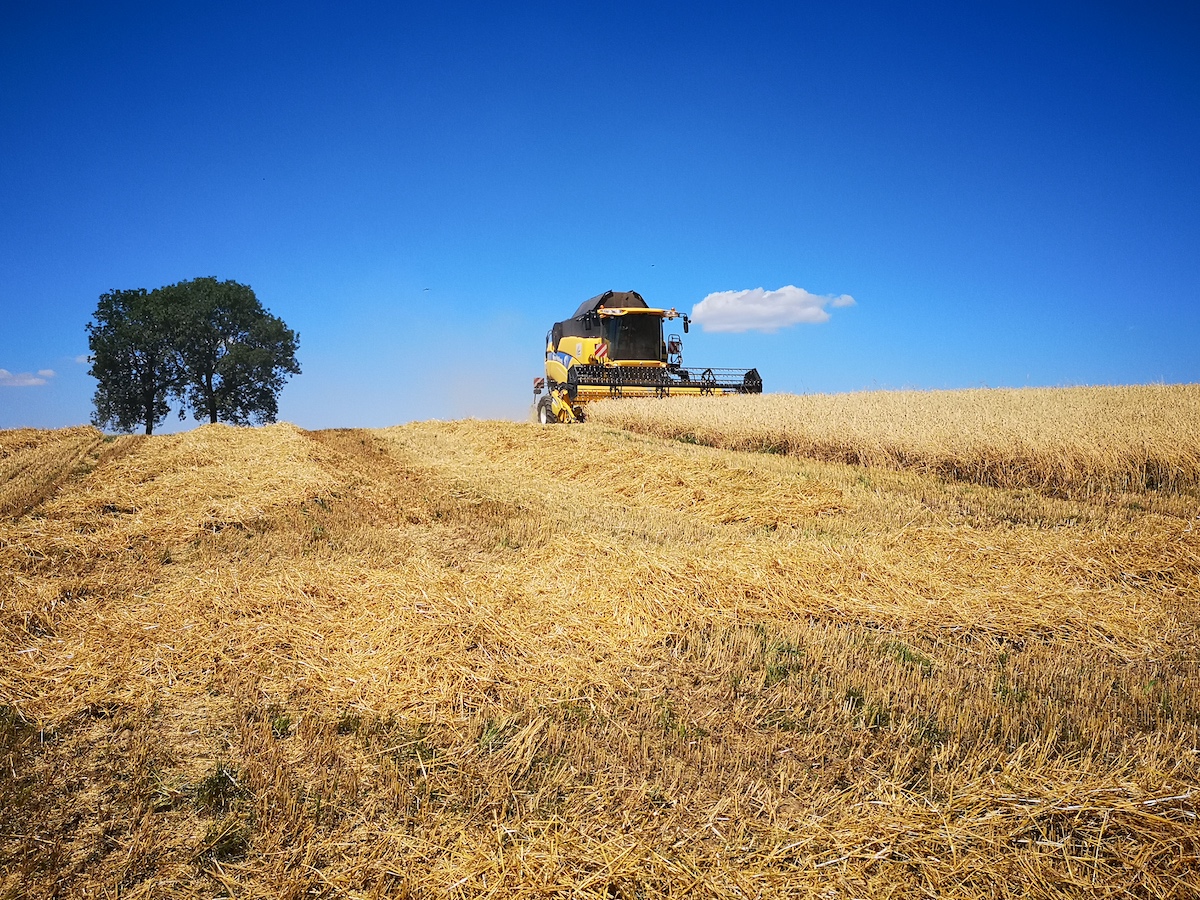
(613, 347)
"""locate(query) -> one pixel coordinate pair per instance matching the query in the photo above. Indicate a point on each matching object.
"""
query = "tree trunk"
(212, 398)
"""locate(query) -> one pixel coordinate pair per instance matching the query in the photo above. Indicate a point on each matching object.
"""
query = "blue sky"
(1009, 192)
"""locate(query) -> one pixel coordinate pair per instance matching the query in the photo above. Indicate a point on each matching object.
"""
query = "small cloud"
(23, 379)
(83, 359)
(763, 310)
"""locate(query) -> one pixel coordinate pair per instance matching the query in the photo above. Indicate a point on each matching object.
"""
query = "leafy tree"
(134, 360)
(209, 344)
(234, 355)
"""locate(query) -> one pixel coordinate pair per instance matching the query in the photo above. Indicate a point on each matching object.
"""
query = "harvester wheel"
(544, 415)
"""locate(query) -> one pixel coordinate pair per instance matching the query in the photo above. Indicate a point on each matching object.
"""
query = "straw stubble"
(488, 659)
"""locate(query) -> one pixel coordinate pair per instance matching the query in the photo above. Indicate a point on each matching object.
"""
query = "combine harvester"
(613, 347)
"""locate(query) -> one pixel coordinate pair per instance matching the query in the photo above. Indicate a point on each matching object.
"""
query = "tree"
(234, 355)
(206, 343)
(134, 360)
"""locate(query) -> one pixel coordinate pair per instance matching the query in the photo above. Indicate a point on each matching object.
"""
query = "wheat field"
(487, 659)
(1068, 441)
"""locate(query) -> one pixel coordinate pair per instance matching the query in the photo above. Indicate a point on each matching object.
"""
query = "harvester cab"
(614, 347)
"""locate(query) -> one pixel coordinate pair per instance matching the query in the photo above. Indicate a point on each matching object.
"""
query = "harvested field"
(34, 464)
(481, 659)
(1067, 441)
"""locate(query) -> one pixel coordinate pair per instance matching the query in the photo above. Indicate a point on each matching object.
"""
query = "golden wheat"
(496, 660)
(1072, 441)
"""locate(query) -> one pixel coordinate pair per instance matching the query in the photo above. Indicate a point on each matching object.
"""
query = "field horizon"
(482, 658)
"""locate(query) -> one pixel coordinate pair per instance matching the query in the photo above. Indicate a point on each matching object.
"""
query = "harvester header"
(614, 347)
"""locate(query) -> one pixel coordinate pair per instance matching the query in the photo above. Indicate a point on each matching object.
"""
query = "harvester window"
(634, 337)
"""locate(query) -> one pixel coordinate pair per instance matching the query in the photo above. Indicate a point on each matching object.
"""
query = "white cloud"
(83, 358)
(763, 310)
(24, 379)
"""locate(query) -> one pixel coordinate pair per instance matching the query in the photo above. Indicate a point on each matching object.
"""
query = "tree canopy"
(134, 360)
(235, 356)
(208, 344)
